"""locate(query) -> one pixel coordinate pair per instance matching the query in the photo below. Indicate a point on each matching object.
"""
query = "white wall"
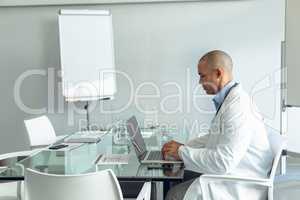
(80, 2)
(292, 75)
(292, 54)
(154, 42)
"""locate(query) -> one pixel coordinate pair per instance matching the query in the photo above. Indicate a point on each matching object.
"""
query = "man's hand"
(171, 149)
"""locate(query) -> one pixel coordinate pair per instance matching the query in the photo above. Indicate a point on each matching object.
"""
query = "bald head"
(215, 71)
(218, 59)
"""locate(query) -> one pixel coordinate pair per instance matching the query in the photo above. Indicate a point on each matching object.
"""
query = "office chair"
(40, 131)
(93, 186)
(11, 190)
(278, 143)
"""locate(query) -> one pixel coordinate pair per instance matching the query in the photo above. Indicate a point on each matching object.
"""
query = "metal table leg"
(19, 190)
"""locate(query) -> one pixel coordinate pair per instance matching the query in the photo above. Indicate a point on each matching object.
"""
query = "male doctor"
(236, 144)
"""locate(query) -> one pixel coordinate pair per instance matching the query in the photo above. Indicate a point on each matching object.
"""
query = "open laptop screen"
(136, 137)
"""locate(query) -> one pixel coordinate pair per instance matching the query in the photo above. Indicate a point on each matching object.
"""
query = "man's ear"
(219, 72)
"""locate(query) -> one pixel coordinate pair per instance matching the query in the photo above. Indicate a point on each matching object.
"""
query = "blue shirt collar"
(220, 96)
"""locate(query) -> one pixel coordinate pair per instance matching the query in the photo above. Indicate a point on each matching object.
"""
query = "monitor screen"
(136, 137)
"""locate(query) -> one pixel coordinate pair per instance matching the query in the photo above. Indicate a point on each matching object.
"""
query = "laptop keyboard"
(155, 155)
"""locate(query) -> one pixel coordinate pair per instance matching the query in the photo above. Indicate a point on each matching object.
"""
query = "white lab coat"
(237, 144)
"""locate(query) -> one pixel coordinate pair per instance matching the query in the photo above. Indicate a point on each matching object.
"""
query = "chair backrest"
(278, 144)
(40, 131)
(93, 186)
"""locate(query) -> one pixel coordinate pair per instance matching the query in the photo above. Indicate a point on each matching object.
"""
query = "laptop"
(144, 156)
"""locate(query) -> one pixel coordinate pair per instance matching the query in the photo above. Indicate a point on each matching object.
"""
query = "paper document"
(112, 159)
(86, 137)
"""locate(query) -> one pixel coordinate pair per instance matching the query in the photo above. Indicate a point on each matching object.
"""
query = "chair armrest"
(16, 154)
(230, 178)
(145, 192)
(206, 178)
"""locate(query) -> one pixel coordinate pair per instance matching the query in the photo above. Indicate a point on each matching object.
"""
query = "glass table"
(81, 159)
